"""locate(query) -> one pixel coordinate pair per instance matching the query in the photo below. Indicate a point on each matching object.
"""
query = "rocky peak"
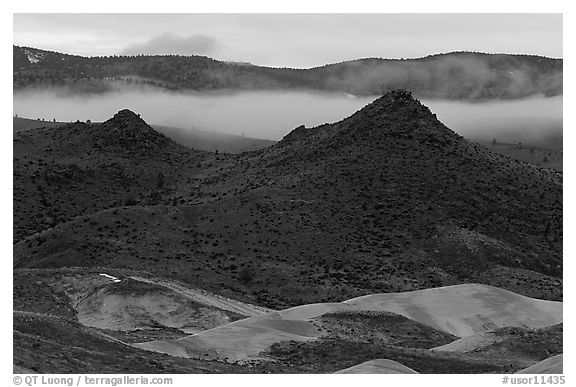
(128, 130)
(397, 114)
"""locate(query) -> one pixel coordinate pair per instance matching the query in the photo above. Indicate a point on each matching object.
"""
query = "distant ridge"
(464, 76)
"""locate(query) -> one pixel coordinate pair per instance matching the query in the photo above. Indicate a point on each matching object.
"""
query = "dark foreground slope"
(80, 168)
(386, 200)
(516, 349)
(390, 199)
(47, 344)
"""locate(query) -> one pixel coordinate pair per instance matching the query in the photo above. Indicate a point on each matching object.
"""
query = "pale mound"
(470, 343)
(460, 310)
(129, 305)
(206, 298)
(239, 340)
(465, 310)
(532, 344)
(79, 285)
(552, 365)
(378, 366)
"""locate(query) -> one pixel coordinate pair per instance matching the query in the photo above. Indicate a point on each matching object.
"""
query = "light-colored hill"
(240, 340)
(148, 308)
(470, 343)
(535, 344)
(552, 365)
(378, 366)
(206, 298)
(465, 310)
(461, 310)
(139, 303)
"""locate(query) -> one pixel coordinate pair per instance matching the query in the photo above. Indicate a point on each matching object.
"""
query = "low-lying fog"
(271, 115)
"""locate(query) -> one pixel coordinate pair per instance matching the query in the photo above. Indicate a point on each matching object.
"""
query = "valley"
(384, 240)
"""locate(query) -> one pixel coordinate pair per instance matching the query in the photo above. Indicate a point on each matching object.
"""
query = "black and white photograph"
(286, 193)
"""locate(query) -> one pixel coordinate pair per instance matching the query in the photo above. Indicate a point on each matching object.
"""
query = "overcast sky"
(291, 40)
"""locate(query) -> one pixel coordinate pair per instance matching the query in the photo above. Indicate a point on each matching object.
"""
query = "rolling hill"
(191, 137)
(457, 311)
(388, 200)
(378, 366)
(454, 76)
(545, 152)
(55, 309)
(551, 365)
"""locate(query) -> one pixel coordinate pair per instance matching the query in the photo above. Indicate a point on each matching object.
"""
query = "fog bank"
(271, 115)
(535, 121)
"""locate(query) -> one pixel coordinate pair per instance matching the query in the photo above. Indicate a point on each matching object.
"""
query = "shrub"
(160, 180)
(130, 202)
(246, 275)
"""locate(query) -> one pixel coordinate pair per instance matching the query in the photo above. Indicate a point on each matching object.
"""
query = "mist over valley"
(273, 114)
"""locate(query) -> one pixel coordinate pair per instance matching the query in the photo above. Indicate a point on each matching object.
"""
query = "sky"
(290, 40)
